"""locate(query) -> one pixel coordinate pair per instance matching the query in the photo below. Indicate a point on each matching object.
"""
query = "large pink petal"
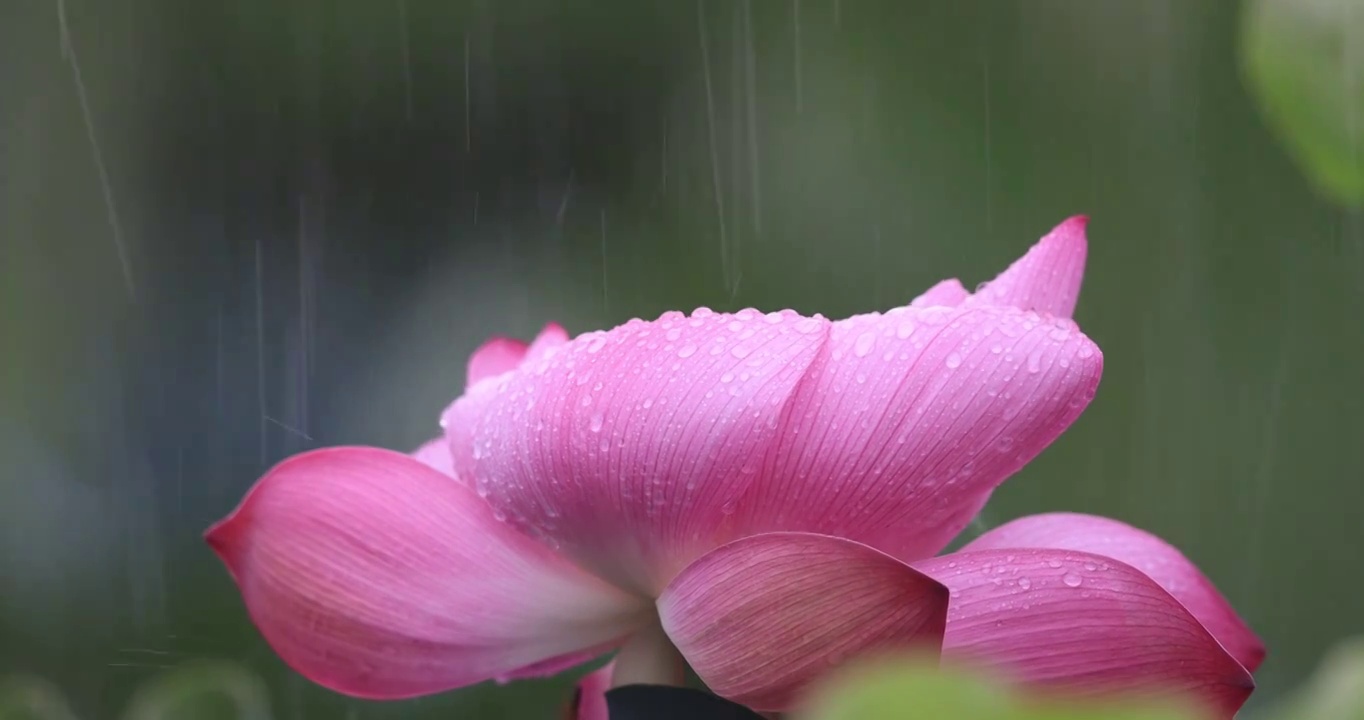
(1047, 279)
(374, 575)
(628, 448)
(638, 449)
(908, 420)
(1083, 623)
(1143, 551)
(761, 617)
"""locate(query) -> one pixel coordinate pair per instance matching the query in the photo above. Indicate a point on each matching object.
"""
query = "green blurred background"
(233, 231)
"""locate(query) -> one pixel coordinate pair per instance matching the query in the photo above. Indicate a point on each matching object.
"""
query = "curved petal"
(436, 454)
(374, 575)
(502, 354)
(908, 420)
(1047, 279)
(627, 448)
(555, 665)
(589, 698)
(761, 617)
(1084, 623)
(948, 293)
(1143, 551)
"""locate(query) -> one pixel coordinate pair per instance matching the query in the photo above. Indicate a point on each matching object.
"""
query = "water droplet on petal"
(686, 351)
(865, 342)
(595, 424)
(954, 361)
(1072, 579)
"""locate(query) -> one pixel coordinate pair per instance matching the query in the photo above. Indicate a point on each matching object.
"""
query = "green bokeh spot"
(1335, 691)
(907, 690)
(1304, 62)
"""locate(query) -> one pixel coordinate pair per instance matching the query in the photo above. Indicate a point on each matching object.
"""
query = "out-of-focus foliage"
(904, 689)
(1304, 60)
(215, 690)
(202, 691)
(1335, 691)
(24, 697)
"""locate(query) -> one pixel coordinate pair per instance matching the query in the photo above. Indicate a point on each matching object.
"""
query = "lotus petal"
(372, 574)
(760, 618)
(1143, 551)
(1084, 623)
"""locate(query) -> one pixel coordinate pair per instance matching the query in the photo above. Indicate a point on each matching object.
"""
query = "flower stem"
(649, 658)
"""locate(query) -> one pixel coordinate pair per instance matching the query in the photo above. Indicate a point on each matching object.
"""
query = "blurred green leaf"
(899, 690)
(202, 691)
(1304, 63)
(1335, 691)
(25, 697)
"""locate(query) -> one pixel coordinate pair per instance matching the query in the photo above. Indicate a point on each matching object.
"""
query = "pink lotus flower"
(765, 492)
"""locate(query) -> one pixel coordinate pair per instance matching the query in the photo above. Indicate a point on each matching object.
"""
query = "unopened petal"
(1047, 278)
(948, 293)
(502, 354)
(436, 454)
(627, 448)
(1160, 561)
(908, 420)
(551, 337)
(760, 618)
(1082, 623)
(372, 574)
(494, 357)
(589, 697)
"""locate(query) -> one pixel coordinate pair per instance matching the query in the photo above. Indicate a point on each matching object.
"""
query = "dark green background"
(318, 229)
